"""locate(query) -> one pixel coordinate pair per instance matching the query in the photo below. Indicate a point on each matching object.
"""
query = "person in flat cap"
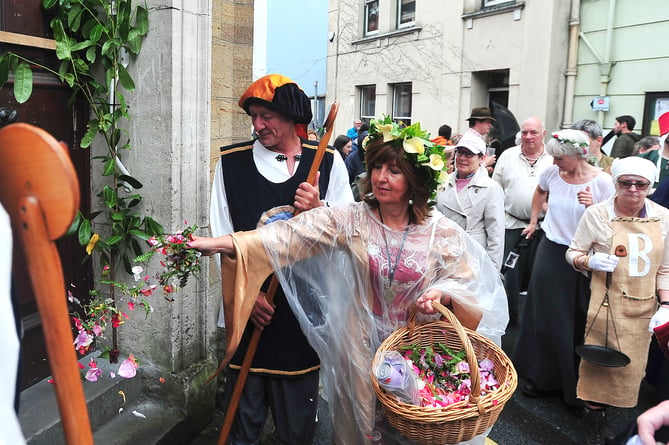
(473, 200)
(624, 237)
(261, 180)
(480, 124)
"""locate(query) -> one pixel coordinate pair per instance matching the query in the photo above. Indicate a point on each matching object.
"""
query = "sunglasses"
(464, 152)
(638, 184)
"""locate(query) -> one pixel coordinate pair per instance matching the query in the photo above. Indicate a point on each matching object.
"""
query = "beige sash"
(632, 302)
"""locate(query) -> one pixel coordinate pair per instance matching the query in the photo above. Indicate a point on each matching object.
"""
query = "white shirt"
(564, 210)
(10, 431)
(518, 179)
(220, 221)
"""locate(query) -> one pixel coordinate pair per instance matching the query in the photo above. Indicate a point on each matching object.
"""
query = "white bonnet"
(633, 165)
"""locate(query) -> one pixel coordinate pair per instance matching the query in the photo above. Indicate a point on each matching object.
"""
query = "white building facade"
(433, 61)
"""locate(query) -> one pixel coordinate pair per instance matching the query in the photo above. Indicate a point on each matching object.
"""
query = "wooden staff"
(273, 286)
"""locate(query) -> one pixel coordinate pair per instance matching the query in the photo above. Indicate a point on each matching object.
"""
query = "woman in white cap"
(473, 200)
(557, 296)
(621, 243)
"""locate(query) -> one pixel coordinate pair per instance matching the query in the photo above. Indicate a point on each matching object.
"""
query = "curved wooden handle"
(46, 276)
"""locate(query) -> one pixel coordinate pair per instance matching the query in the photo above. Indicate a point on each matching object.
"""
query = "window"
(402, 103)
(488, 3)
(371, 16)
(406, 12)
(367, 103)
(656, 104)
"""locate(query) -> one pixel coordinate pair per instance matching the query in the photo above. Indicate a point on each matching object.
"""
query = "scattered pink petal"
(112, 374)
(128, 368)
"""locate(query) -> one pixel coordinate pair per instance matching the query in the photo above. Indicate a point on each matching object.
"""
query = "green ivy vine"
(95, 40)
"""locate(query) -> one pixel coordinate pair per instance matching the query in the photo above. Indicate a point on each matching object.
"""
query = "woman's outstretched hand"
(211, 246)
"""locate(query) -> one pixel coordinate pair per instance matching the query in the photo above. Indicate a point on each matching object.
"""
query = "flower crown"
(418, 149)
(583, 145)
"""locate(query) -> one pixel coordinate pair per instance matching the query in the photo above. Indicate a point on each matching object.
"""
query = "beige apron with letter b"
(632, 303)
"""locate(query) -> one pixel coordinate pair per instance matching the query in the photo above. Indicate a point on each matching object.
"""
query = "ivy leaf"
(85, 232)
(112, 240)
(130, 180)
(23, 82)
(48, 4)
(110, 197)
(109, 167)
(4, 70)
(74, 227)
(91, 55)
(142, 20)
(92, 130)
(125, 79)
(139, 234)
(96, 33)
(74, 17)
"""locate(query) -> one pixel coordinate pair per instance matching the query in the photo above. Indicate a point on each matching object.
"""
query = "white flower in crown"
(414, 145)
(436, 162)
(387, 132)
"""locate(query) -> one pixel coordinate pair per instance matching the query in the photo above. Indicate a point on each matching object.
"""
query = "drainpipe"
(572, 70)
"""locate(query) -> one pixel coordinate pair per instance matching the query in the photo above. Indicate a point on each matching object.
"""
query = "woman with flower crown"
(553, 320)
(364, 266)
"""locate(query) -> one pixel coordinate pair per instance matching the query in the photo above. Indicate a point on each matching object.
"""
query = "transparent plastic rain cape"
(334, 263)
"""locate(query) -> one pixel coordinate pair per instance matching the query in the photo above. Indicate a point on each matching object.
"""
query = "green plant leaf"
(113, 240)
(125, 79)
(4, 70)
(130, 180)
(85, 232)
(81, 45)
(152, 227)
(110, 197)
(96, 33)
(139, 234)
(23, 82)
(74, 17)
(91, 54)
(74, 227)
(92, 130)
(48, 4)
(142, 20)
(109, 167)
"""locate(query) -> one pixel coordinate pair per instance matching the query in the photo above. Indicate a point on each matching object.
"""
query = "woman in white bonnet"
(624, 237)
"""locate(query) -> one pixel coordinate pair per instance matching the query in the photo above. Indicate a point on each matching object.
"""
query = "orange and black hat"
(280, 94)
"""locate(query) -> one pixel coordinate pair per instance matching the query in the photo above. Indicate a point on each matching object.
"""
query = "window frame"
(491, 3)
(400, 8)
(368, 6)
(398, 89)
(366, 101)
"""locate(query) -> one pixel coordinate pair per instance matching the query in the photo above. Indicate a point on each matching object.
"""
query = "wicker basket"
(460, 421)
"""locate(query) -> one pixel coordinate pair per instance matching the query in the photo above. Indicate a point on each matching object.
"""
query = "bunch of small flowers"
(101, 310)
(443, 375)
(179, 262)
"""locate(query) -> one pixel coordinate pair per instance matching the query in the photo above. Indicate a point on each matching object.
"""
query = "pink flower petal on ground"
(93, 374)
(128, 368)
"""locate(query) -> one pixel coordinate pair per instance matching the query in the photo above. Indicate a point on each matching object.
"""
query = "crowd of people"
(397, 220)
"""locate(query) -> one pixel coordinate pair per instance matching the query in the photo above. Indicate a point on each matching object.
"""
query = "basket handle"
(475, 394)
